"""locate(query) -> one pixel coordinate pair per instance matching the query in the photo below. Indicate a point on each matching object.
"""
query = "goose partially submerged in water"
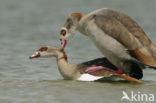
(117, 36)
(78, 71)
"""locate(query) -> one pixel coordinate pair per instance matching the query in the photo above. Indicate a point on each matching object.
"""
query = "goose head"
(47, 51)
(68, 29)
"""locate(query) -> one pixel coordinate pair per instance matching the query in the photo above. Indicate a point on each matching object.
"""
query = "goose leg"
(97, 68)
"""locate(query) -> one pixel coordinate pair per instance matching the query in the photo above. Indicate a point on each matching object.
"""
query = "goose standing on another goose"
(116, 35)
(77, 72)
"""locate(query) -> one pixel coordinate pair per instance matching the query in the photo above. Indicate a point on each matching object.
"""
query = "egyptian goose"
(77, 72)
(116, 35)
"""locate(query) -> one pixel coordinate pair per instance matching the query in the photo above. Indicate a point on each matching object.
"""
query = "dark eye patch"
(43, 49)
(63, 32)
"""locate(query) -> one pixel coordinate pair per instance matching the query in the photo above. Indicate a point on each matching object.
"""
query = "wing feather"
(126, 31)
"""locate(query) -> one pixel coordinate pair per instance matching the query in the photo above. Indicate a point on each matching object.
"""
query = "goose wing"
(128, 33)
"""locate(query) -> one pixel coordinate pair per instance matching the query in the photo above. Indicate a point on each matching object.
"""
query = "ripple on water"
(25, 25)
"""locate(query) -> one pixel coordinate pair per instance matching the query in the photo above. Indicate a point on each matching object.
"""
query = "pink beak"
(63, 44)
(36, 55)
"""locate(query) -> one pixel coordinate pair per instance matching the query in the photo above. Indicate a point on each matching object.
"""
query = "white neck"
(67, 70)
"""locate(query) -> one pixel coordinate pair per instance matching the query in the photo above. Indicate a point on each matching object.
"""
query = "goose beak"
(36, 55)
(63, 44)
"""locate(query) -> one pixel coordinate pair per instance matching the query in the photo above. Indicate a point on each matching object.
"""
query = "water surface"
(25, 25)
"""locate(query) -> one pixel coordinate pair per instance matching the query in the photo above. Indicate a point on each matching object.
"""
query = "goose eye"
(63, 32)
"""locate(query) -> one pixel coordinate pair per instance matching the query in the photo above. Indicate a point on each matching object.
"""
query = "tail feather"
(145, 56)
(144, 65)
(133, 68)
(152, 67)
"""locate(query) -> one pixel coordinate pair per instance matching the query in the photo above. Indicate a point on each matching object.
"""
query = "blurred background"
(26, 25)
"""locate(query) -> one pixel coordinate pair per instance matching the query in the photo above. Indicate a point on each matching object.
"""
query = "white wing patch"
(88, 77)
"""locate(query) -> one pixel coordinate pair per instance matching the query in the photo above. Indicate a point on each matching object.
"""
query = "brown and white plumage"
(128, 33)
(77, 71)
(113, 33)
